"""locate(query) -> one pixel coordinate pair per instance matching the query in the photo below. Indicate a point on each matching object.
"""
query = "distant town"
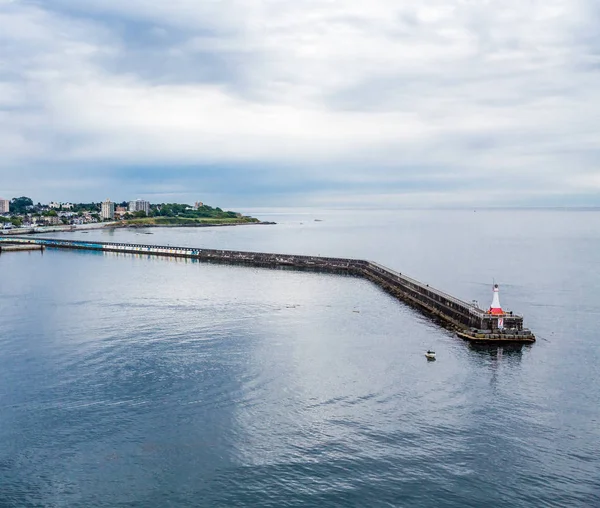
(23, 213)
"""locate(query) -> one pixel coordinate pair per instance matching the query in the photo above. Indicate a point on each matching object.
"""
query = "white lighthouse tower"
(495, 308)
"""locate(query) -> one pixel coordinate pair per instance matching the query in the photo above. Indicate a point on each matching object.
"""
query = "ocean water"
(135, 381)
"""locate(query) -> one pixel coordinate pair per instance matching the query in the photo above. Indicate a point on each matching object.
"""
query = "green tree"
(140, 214)
(19, 205)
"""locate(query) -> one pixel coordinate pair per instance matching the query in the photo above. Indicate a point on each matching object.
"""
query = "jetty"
(468, 320)
(7, 247)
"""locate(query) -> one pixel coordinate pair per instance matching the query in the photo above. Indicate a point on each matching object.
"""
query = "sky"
(309, 103)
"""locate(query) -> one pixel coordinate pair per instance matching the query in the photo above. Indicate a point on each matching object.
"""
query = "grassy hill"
(188, 221)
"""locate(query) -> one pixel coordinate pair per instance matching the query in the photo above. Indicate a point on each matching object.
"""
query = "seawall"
(449, 310)
(13, 248)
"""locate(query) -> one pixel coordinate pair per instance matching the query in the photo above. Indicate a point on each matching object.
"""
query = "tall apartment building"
(139, 205)
(4, 205)
(108, 209)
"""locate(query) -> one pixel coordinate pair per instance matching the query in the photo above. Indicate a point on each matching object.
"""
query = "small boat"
(430, 355)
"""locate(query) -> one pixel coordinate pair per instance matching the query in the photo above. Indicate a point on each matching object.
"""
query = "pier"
(18, 247)
(469, 321)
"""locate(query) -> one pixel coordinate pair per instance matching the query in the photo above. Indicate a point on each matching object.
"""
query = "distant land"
(20, 214)
(187, 221)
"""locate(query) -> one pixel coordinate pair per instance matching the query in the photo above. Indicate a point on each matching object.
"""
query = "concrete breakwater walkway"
(473, 323)
(14, 248)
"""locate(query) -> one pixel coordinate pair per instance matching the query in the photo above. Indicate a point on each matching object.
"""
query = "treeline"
(21, 205)
(186, 211)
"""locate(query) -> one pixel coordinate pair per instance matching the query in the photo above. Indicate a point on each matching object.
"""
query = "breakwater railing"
(436, 303)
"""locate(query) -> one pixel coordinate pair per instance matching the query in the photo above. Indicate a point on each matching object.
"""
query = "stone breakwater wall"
(14, 248)
(443, 307)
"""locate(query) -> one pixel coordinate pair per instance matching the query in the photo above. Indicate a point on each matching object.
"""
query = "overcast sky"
(327, 103)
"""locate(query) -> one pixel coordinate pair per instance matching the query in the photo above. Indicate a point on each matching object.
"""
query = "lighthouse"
(495, 307)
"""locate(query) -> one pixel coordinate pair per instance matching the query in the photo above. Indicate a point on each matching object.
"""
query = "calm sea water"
(132, 381)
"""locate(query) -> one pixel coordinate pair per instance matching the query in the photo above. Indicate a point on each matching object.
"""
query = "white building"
(139, 205)
(65, 206)
(4, 205)
(108, 209)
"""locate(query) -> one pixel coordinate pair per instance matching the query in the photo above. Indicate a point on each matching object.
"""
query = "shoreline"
(197, 225)
(119, 225)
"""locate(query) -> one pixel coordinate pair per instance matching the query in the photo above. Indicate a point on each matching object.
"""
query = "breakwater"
(16, 247)
(472, 322)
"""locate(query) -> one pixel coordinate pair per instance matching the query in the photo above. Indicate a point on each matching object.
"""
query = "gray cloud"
(441, 102)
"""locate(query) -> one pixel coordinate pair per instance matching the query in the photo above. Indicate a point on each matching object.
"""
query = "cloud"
(437, 102)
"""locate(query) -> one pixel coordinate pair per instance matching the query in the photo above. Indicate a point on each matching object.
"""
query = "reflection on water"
(498, 352)
(141, 381)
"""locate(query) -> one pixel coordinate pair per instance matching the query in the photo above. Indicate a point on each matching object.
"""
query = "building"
(108, 209)
(57, 206)
(120, 211)
(4, 205)
(198, 204)
(139, 205)
(88, 218)
(45, 220)
(66, 215)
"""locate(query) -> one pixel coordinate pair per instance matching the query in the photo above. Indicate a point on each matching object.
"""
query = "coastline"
(120, 225)
(199, 225)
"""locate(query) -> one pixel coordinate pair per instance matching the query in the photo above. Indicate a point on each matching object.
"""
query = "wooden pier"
(470, 322)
